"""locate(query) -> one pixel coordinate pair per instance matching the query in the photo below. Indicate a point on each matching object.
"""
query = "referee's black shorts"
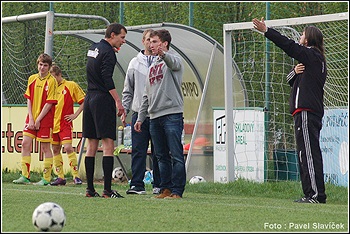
(99, 116)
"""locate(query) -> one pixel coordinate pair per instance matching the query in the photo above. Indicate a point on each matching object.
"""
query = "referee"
(100, 107)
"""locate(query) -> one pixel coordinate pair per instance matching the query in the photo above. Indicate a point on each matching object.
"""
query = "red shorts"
(44, 134)
(63, 137)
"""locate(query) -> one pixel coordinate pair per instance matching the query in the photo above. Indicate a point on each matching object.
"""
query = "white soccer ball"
(118, 174)
(49, 217)
(196, 180)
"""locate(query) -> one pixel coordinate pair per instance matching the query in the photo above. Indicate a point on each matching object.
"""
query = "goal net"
(264, 67)
(24, 37)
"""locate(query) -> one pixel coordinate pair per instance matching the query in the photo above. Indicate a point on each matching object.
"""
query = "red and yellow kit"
(68, 93)
(42, 90)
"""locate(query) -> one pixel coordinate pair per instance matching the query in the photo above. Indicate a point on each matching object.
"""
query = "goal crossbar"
(39, 15)
(290, 21)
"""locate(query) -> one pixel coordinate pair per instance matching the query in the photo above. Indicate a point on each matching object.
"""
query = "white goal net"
(263, 68)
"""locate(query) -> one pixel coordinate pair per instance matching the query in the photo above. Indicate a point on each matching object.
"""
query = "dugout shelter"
(203, 82)
(203, 85)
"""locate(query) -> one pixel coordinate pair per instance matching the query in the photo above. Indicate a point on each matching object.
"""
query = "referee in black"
(100, 107)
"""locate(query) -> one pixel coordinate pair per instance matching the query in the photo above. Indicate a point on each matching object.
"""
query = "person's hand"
(123, 118)
(260, 25)
(70, 118)
(299, 68)
(120, 111)
(160, 51)
(137, 126)
(31, 124)
(120, 108)
(116, 50)
(37, 125)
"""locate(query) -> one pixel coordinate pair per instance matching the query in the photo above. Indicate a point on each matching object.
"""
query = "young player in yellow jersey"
(41, 101)
(68, 93)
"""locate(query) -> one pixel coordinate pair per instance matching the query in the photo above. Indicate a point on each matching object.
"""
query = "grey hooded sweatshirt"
(162, 95)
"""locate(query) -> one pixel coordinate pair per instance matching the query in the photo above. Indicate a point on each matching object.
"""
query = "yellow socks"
(47, 168)
(73, 163)
(25, 164)
(58, 163)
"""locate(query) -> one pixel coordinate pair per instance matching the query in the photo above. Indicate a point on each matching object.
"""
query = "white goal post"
(336, 91)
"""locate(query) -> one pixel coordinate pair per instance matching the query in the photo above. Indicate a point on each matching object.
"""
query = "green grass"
(239, 206)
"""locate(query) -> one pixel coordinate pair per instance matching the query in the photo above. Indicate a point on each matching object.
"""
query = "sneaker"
(22, 180)
(164, 193)
(77, 181)
(111, 194)
(90, 193)
(173, 196)
(58, 181)
(42, 182)
(156, 190)
(308, 200)
(135, 190)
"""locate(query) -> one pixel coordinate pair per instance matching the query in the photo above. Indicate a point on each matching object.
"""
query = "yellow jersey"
(68, 93)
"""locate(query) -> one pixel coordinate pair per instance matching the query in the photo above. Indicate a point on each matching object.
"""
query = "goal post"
(26, 36)
(263, 70)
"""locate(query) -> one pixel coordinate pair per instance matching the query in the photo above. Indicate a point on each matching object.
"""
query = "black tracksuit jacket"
(100, 67)
(307, 87)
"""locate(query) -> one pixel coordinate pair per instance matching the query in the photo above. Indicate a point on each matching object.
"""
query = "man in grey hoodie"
(134, 86)
(163, 101)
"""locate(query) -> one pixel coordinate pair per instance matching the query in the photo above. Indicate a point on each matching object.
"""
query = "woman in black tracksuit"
(306, 104)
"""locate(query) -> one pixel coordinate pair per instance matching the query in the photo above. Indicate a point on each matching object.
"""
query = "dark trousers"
(166, 136)
(140, 142)
(307, 128)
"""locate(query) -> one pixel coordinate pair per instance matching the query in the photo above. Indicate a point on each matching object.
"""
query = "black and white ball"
(118, 175)
(196, 180)
(49, 217)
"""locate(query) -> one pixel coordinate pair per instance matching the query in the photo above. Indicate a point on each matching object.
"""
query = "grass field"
(239, 206)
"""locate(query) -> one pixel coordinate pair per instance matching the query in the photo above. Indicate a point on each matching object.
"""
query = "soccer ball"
(49, 217)
(118, 174)
(196, 180)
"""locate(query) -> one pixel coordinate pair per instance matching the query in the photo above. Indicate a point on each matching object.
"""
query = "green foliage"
(109, 10)
(20, 8)
(207, 16)
(140, 13)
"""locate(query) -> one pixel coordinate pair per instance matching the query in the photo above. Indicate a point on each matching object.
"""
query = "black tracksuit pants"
(307, 128)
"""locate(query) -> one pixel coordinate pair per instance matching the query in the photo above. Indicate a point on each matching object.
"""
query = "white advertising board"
(248, 145)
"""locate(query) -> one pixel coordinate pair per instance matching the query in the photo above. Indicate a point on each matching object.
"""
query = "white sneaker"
(156, 190)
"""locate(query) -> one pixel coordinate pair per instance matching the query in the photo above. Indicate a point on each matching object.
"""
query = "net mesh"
(250, 50)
